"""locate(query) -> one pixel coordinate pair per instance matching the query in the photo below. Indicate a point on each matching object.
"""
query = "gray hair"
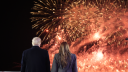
(36, 41)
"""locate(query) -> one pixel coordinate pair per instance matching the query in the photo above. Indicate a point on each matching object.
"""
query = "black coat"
(71, 65)
(35, 59)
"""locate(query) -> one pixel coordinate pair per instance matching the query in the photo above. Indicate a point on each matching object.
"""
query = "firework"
(96, 31)
(77, 18)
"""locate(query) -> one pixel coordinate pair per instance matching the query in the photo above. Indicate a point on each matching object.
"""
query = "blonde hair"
(36, 41)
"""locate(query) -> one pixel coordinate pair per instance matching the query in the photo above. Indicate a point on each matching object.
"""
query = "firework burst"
(77, 18)
(50, 16)
(87, 26)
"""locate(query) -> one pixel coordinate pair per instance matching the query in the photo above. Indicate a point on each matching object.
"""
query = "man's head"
(36, 41)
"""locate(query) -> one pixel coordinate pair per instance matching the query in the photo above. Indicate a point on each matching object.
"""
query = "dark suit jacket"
(71, 66)
(35, 59)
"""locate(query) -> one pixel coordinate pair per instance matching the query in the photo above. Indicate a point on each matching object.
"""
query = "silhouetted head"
(36, 41)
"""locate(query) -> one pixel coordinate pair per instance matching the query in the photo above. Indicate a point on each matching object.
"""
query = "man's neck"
(36, 45)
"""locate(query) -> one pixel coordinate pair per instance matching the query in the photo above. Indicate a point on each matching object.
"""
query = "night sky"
(17, 32)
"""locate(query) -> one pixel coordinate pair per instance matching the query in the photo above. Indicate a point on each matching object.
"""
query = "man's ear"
(32, 43)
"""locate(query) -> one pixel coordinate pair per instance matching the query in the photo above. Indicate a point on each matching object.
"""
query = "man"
(35, 59)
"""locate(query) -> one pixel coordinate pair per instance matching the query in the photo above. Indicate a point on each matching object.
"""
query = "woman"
(64, 61)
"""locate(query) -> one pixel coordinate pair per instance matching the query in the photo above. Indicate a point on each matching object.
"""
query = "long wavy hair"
(64, 54)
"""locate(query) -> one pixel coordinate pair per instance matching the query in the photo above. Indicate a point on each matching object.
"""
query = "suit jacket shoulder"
(35, 59)
(29, 50)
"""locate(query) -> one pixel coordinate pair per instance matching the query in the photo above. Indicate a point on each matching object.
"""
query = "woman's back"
(70, 67)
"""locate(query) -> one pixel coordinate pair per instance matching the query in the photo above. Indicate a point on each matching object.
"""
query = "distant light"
(59, 38)
(59, 17)
(99, 55)
(46, 30)
(96, 36)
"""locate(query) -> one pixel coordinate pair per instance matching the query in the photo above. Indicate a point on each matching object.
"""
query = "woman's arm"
(54, 65)
(74, 68)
